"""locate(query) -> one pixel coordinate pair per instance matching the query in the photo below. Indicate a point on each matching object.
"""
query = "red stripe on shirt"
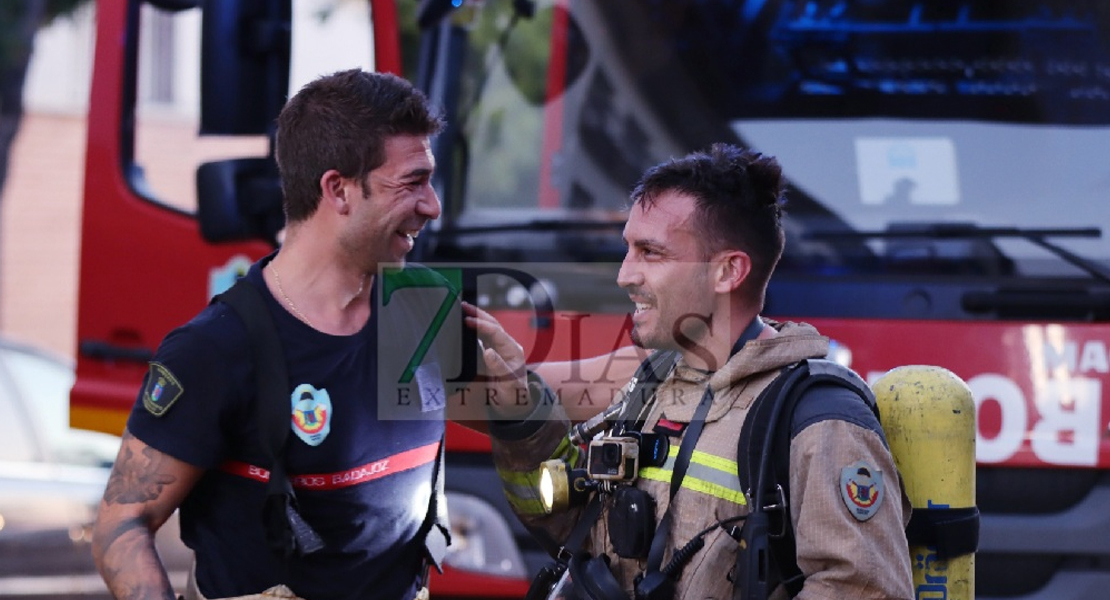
(402, 461)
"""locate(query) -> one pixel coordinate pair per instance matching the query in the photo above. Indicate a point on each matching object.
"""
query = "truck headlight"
(481, 540)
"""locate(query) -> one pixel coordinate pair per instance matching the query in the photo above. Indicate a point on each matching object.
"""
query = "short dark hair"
(341, 121)
(739, 195)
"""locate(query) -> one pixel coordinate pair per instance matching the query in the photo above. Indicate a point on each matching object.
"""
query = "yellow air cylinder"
(928, 415)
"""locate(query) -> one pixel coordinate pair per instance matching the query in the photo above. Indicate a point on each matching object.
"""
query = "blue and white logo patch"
(311, 414)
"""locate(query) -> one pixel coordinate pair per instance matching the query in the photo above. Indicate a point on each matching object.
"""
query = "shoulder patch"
(162, 389)
(861, 487)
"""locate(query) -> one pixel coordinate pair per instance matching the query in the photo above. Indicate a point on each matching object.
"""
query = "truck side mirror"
(239, 199)
(244, 65)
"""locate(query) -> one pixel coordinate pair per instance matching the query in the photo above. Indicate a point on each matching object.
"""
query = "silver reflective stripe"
(708, 474)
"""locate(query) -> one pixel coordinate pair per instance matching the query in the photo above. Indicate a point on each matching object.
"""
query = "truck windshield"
(887, 117)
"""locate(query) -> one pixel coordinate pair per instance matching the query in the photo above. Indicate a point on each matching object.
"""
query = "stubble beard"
(636, 339)
(692, 332)
(649, 341)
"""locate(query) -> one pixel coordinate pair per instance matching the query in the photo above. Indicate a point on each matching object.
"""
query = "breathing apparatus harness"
(768, 551)
(767, 557)
(288, 534)
(591, 576)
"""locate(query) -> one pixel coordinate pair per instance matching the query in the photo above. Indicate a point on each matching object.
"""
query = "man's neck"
(318, 287)
(714, 349)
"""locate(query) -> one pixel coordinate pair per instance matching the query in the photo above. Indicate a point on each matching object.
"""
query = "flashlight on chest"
(611, 460)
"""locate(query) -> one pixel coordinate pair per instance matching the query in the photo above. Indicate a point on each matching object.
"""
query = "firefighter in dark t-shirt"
(353, 149)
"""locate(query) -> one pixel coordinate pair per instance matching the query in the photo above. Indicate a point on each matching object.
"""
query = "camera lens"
(611, 455)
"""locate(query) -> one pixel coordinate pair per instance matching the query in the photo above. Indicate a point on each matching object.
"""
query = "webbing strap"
(436, 534)
(763, 462)
(952, 531)
(648, 376)
(269, 364)
(686, 450)
(286, 531)
(681, 463)
(585, 523)
(783, 545)
(818, 371)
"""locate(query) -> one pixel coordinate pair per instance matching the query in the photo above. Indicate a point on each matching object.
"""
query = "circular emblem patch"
(311, 414)
(861, 487)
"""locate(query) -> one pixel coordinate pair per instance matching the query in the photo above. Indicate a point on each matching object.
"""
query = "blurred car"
(51, 481)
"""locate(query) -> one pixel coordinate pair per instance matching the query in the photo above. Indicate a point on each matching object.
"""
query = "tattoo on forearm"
(129, 563)
(121, 529)
(137, 479)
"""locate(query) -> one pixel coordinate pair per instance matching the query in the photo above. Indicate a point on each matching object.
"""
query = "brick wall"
(40, 226)
(40, 214)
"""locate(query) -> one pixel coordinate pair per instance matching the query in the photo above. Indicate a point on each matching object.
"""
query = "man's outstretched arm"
(588, 386)
(144, 489)
(583, 387)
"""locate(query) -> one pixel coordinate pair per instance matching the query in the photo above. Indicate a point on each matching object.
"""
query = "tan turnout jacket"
(841, 555)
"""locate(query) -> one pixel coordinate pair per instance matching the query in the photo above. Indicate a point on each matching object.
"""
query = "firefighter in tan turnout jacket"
(842, 556)
(703, 237)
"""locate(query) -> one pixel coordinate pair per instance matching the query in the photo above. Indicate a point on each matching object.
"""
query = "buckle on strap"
(778, 505)
(436, 541)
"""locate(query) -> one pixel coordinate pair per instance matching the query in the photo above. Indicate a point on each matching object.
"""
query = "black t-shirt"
(363, 472)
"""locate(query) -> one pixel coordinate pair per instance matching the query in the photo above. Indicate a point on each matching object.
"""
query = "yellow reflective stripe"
(698, 485)
(522, 487)
(519, 478)
(522, 491)
(703, 458)
(708, 473)
(714, 462)
(530, 479)
(525, 506)
(567, 451)
(712, 489)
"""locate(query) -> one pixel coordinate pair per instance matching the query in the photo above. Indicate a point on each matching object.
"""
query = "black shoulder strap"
(643, 384)
(269, 363)
(287, 532)
(770, 553)
(435, 532)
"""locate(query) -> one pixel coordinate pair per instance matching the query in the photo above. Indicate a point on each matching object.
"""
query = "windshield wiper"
(970, 231)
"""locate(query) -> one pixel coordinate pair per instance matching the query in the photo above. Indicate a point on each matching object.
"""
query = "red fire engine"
(947, 196)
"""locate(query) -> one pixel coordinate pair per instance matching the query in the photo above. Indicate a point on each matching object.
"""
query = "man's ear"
(335, 192)
(731, 268)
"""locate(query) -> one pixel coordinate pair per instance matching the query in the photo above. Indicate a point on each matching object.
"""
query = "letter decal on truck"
(1062, 425)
